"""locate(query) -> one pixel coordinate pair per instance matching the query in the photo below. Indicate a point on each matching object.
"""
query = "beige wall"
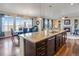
(55, 24)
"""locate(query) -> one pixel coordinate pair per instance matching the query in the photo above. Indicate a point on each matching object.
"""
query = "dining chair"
(13, 37)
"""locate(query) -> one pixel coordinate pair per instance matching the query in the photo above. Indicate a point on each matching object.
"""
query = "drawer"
(42, 53)
(41, 43)
(41, 48)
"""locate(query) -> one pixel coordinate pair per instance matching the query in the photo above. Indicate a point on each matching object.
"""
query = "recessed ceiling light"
(63, 18)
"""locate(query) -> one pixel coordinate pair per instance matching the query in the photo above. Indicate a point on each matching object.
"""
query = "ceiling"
(48, 10)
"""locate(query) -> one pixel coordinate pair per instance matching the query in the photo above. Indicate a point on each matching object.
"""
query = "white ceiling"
(36, 9)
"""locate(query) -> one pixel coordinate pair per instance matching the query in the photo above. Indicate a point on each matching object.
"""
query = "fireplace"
(67, 29)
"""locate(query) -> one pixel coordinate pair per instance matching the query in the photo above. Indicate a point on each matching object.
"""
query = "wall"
(40, 26)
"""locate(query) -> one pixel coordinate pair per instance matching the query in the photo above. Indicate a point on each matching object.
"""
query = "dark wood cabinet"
(35, 49)
(51, 46)
(29, 48)
(64, 37)
(60, 40)
(41, 48)
(57, 43)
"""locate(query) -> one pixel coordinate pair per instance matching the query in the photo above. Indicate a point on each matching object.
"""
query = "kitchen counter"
(38, 36)
(42, 43)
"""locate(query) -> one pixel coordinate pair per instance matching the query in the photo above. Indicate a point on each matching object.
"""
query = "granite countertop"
(38, 36)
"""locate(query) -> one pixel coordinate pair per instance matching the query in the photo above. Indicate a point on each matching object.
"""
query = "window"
(7, 23)
(19, 23)
(50, 24)
(46, 24)
(28, 23)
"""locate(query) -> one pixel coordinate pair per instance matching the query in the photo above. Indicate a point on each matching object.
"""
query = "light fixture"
(63, 18)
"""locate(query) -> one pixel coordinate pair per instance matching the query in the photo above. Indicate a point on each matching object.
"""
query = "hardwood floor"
(71, 48)
(7, 48)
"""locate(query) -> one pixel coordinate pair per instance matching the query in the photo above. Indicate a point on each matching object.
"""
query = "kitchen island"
(44, 43)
